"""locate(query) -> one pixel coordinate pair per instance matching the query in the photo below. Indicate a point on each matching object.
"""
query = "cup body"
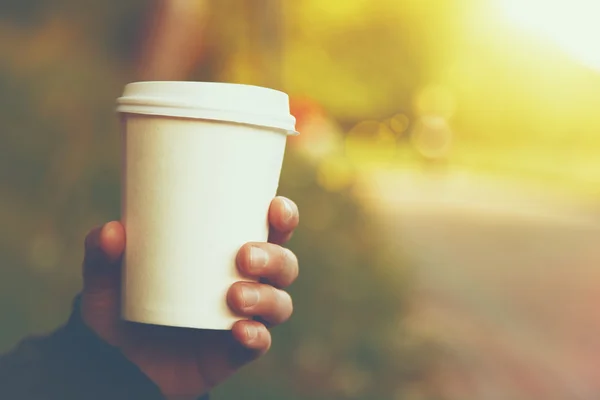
(194, 190)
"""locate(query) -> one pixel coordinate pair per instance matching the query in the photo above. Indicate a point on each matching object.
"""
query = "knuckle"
(285, 307)
(289, 266)
(293, 262)
(290, 304)
(283, 257)
(296, 211)
(267, 338)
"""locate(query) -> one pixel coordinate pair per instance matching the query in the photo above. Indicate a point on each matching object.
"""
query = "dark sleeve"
(72, 364)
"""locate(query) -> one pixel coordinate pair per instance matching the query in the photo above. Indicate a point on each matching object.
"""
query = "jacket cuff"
(97, 367)
(107, 363)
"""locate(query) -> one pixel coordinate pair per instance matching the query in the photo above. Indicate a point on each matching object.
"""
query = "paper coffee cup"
(201, 164)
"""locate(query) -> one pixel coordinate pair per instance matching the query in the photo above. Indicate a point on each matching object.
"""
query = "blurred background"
(447, 172)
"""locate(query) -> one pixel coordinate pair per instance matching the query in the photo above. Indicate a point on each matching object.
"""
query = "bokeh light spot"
(399, 123)
(432, 136)
(435, 100)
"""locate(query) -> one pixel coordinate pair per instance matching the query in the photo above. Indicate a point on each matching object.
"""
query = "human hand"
(186, 363)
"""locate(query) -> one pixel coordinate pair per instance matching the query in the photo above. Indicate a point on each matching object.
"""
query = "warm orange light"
(573, 25)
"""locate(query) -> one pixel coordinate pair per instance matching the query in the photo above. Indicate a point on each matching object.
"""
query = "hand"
(186, 363)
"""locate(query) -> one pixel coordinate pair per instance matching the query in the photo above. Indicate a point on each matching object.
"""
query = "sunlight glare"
(572, 25)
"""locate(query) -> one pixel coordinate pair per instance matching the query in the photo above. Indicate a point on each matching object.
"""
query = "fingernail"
(288, 212)
(251, 332)
(249, 296)
(258, 258)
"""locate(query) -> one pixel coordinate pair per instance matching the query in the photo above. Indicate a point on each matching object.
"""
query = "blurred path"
(508, 281)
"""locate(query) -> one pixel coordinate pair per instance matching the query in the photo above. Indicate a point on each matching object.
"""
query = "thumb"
(102, 280)
(104, 247)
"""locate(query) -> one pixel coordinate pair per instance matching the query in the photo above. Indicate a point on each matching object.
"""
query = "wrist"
(203, 397)
(101, 365)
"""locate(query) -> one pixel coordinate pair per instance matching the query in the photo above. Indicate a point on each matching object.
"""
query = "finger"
(112, 241)
(260, 300)
(269, 261)
(103, 250)
(283, 219)
(250, 340)
(101, 279)
(252, 335)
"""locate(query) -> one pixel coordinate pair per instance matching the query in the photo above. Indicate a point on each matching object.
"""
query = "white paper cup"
(201, 164)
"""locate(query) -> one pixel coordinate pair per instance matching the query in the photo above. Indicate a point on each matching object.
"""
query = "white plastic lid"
(229, 102)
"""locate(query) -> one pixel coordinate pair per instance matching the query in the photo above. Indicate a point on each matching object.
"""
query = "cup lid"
(245, 104)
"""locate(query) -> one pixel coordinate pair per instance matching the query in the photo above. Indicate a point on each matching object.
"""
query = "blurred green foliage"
(64, 64)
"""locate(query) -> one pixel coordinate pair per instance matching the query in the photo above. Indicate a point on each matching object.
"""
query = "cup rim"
(226, 102)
